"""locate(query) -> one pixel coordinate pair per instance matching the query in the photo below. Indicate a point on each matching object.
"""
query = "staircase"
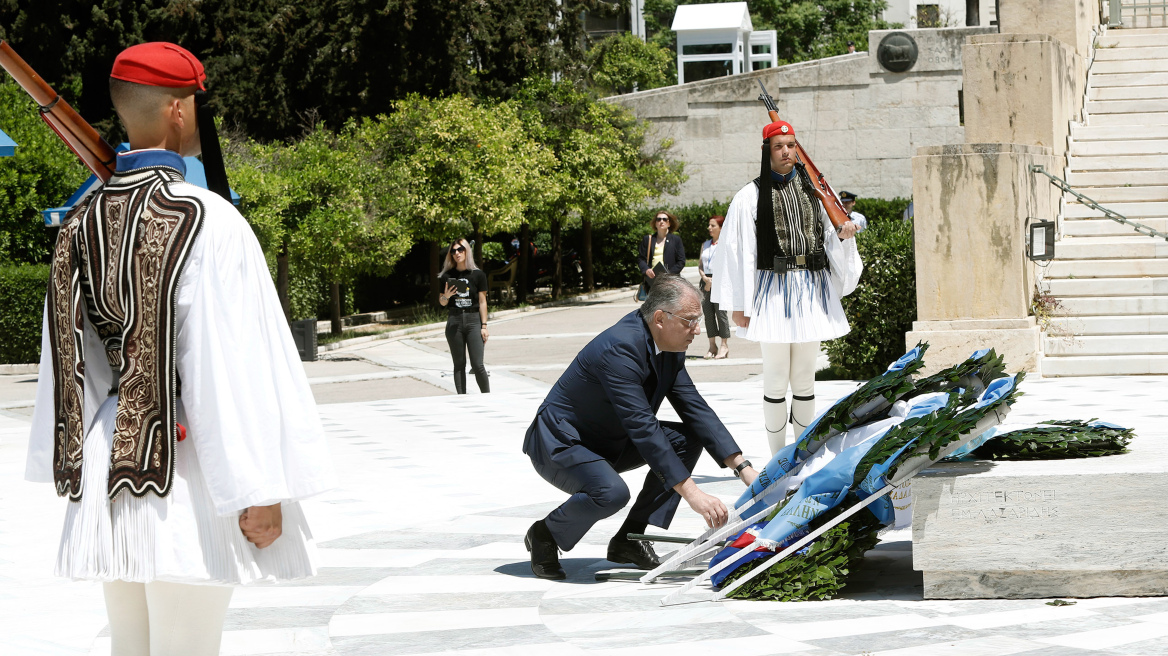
(1113, 283)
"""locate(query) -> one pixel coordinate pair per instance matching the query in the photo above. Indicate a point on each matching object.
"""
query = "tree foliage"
(624, 63)
(43, 174)
(807, 29)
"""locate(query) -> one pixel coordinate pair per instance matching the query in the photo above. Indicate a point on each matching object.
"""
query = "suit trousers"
(598, 491)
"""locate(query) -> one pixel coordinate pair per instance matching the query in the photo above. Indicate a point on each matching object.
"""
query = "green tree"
(312, 204)
(605, 165)
(453, 166)
(624, 63)
(43, 174)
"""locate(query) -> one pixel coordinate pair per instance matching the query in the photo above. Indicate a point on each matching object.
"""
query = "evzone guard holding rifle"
(172, 410)
(784, 261)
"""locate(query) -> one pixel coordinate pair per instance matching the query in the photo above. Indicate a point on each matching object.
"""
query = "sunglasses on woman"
(458, 249)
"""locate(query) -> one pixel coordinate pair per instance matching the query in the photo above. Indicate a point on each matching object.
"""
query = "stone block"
(938, 49)
(943, 116)
(1069, 21)
(883, 143)
(971, 203)
(658, 103)
(1019, 88)
(833, 119)
(703, 127)
(1060, 528)
(951, 342)
(707, 152)
(743, 150)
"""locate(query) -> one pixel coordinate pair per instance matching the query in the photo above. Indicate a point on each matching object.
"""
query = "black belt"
(810, 262)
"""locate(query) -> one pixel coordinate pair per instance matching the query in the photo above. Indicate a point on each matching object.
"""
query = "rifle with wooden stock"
(823, 191)
(82, 139)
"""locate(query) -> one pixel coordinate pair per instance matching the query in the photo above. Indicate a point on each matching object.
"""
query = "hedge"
(22, 303)
(883, 306)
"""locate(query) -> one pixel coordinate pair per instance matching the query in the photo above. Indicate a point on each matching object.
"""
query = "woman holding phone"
(465, 296)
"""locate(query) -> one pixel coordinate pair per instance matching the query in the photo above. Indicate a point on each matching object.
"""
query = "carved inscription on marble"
(1004, 505)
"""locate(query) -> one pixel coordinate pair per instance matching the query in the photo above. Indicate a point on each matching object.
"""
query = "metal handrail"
(1111, 214)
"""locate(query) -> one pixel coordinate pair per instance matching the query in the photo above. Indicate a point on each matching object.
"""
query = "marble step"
(1060, 268)
(1127, 93)
(1155, 344)
(1107, 227)
(1136, 120)
(1132, 325)
(1107, 287)
(1120, 147)
(1096, 107)
(1130, 66)
(1100, 306)
(1119, 39)
(1133, 194)
(1126, 52)
(1104, 365)
(1083, 133)
(1111, 248)
(1119, 162)
(1142, 20)
(1084, 181)
(1150, 209)
(1099, 80)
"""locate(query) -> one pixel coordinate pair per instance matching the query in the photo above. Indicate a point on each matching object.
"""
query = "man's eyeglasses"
(691, 323)
(458, 249)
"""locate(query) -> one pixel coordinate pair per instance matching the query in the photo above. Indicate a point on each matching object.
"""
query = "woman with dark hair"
(717, 324)
(663, 247)
(465, 295)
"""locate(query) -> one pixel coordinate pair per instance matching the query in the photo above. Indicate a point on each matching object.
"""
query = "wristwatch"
(742, 465)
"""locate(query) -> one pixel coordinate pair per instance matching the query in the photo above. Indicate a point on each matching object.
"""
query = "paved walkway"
(421, 545)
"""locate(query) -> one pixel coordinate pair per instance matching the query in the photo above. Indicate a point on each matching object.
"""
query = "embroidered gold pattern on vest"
(118, 261)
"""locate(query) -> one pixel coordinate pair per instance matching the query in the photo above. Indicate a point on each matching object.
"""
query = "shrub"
(22, 304)
(882, 308)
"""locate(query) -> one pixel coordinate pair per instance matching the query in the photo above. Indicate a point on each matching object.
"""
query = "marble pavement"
(421, 552)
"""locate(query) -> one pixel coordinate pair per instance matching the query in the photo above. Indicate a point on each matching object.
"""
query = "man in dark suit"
(600, 419)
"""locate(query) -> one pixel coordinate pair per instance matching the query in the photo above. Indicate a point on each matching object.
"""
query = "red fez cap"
(159, 64)
(778, 127)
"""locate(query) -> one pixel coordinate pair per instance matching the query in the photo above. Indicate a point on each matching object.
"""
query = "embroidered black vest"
(117, 262)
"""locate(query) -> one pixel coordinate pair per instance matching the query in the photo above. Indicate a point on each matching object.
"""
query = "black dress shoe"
(624, 551)
(545, 556)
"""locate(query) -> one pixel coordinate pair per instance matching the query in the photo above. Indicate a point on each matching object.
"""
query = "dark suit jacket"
(674, 256)
(610, 394)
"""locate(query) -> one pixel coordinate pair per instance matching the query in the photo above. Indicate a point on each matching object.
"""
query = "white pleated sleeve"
(252, 416)
(734, 267)
(844, 257)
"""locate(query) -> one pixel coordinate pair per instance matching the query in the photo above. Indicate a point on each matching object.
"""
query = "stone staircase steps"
(1140, 211)
(1106, 345)
(1126, 49)
(1112, 306)
(1109, 287)
(1109, 195)
(1142, 40)
(1134, 268)
(1107, 227)
(1101, 326)
(1130, 66)
(1111, 248)
(1139, 120)
(1117, 147)
(1111, 283)
(1129, 92)
(1085, 180)
(1105, 365)
(1121, 162)
(1110, 80)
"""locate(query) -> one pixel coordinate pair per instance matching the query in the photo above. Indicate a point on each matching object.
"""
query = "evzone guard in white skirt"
(172, 409)
(782, 269)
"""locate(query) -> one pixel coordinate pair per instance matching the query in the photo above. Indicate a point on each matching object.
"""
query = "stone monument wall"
(859, 121)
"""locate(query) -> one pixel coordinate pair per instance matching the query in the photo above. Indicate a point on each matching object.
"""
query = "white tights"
(165, 619)
(783, 365)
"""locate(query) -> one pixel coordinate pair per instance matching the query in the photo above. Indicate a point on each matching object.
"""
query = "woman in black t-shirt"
(465, 296)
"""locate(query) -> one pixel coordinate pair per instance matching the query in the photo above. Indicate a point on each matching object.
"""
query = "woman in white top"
(717, 323)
